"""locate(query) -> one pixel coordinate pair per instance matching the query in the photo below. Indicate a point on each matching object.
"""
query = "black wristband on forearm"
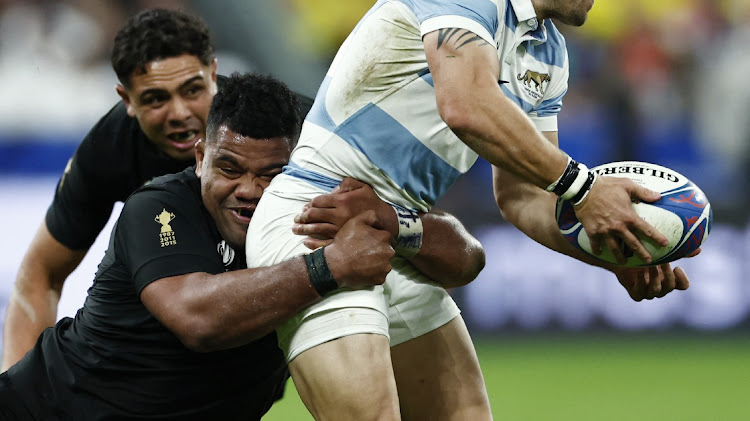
(567, 178)
(320, 276)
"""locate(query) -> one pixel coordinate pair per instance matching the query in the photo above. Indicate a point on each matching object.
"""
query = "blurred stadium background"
(660, 81)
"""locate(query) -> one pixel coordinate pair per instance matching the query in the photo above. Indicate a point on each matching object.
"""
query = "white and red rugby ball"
(683, 214)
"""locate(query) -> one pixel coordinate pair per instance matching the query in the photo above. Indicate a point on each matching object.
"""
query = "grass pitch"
(581, 377)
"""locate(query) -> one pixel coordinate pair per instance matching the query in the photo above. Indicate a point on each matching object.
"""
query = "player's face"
(234, 170)
(171, 102)
(571, 12)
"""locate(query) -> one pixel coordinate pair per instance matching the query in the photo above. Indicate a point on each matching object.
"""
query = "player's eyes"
(193, 91)
(153, 100)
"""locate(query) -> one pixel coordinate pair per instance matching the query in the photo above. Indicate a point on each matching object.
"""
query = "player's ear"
(214, 66)
(123, 93)
(200, 151)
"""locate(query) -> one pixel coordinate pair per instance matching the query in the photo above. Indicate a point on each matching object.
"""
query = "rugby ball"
(683, 214)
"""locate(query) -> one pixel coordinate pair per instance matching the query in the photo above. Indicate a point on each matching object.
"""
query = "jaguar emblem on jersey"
(534, 81)
(226, 252)
(166, 235)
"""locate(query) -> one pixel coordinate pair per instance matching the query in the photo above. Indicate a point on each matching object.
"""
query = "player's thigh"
(348, 378)
(270, 239)
(416, 305)
(438, 376)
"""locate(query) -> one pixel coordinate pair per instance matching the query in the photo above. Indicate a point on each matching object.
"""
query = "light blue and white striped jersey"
(375, 115)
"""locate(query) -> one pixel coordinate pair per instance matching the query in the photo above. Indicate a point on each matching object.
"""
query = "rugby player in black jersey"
(164, 60)
(175, 327)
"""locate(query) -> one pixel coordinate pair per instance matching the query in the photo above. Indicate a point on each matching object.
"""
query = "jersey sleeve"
(81, 206)
(164, 233)
(477, 16)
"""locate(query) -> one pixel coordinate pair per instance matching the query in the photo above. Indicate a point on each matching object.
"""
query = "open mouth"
(183, 140)
(245, 213)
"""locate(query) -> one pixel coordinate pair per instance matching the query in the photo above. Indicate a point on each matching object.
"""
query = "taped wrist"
(317, 270)
(575, 182)
(557, 185)
(585, 189)
(410, 232)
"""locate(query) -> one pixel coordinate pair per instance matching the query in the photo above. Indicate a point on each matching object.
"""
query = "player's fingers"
(323, 201)
(318, 230)
(312, 215)
(614, 247)
(634, 244)
(694, 253)
(638, 290)
(640, 225)
(670, 280)
(596, 245)
(655, 283)
(681, 279)
(644, 194)
(313, 243)
(348, 184)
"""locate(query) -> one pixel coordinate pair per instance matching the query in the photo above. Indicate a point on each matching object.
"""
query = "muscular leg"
(438, 376)
(350, 378)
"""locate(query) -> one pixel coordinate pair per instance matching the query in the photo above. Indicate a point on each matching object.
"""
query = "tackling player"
(165, 62)
(175, 326)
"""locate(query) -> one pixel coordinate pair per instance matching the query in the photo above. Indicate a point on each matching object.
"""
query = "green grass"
(701, 377)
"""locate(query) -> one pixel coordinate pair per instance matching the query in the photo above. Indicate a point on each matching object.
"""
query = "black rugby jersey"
(112, 161)
(116, 361)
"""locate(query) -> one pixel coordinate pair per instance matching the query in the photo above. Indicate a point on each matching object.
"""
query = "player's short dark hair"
(256, 106)
(157, 34)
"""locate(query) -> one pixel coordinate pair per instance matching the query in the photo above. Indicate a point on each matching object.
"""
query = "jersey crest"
(534, 81)
(166, 234)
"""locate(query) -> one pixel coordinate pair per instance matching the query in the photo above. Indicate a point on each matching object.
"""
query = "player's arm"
(465, 71)
(448, 254)
(532, 210)
(213, 312)
(33, 302)
(80, 209)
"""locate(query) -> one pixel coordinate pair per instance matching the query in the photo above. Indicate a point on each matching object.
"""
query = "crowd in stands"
(661, 81)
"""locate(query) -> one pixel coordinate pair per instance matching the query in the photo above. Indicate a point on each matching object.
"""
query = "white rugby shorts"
(407, 306)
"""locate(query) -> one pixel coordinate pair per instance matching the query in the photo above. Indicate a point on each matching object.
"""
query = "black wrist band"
(320, 276)
(567, 178)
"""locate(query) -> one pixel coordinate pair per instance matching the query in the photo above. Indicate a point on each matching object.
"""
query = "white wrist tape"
(578, 200)
(581, 177)
(410, 232)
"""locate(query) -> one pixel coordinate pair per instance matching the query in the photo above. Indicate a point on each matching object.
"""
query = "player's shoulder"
(181, 190)
(115, 124)
(485, 12)
(113, 135)
(181, 183)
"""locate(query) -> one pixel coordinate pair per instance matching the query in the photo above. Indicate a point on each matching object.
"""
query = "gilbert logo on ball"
(683, 214)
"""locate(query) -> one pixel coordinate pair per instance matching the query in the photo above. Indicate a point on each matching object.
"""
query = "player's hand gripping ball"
(683, 213)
